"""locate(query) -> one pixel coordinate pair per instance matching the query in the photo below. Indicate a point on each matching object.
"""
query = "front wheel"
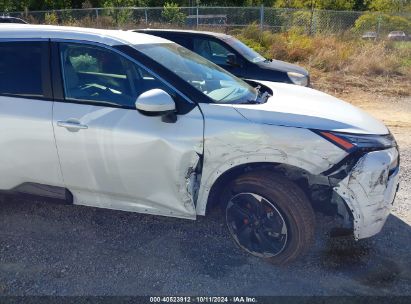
(269, 216)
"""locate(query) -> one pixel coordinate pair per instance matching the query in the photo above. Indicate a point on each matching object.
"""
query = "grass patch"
(332, 53)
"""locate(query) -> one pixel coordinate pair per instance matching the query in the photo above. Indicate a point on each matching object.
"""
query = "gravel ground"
(73, 250)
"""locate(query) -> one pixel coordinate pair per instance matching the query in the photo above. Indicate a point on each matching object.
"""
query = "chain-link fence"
(225, 18)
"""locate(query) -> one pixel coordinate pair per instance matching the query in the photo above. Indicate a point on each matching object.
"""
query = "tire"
(269, 216)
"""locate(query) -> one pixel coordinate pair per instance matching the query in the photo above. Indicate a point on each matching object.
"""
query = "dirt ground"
(73, 250)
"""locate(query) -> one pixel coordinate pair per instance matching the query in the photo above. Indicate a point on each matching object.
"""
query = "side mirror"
(232, 59)
(157, 102)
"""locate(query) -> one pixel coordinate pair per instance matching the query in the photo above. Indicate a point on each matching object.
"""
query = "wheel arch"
(216, 192)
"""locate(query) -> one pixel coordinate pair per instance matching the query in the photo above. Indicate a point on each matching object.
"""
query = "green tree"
(172, 14)
(360, 5)
(120, 16)
(58, 4)
(317, 4)
(7, 5)
(389, 6)
(120, 3)
(51, 18)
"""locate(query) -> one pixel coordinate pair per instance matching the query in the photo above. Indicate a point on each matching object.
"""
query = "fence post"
(378, 25)
(145, 15)
(197, 16)
(262, 17)
(315, 22)
(96, 13)
(311, 30)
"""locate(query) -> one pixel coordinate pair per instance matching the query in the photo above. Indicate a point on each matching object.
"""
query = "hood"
(282, 66)
(302, 107)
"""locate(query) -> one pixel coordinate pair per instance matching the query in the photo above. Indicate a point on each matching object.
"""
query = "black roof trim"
(188, 32)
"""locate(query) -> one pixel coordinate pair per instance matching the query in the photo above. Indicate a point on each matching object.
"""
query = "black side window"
(24, 69)
(211, 49)
(185, 41)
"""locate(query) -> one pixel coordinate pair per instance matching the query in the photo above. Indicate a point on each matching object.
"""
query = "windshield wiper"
(250, 101)
(261, 97)
(258, 88)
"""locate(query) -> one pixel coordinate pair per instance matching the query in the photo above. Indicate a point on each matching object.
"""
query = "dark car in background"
(234, 56)
(8, 19)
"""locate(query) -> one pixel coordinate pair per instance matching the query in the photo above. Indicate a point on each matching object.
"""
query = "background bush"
(171, 14)
(328, 53)
(381, 22)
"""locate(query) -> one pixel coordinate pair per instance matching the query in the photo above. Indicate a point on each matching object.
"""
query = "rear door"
(112, 155)
(28, 151)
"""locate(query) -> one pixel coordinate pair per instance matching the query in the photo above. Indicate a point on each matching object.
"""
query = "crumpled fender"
(369, 191)
(231, 140)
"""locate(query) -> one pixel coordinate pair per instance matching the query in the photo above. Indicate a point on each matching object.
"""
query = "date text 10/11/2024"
(182, 299)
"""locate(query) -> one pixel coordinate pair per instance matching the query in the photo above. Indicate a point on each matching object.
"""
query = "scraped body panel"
(369, 191)
(128, 161)
(231, 140)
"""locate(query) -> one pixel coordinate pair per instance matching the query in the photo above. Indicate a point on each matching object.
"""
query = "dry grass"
(343, 83)
(377, 59)
(345, 55)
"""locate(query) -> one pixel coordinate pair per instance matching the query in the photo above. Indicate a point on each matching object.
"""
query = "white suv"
(133, 122)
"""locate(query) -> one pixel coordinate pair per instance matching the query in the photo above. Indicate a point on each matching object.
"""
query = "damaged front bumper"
(369, 190)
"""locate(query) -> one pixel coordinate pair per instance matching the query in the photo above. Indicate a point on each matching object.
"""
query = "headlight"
(298, 78)
(350, 142)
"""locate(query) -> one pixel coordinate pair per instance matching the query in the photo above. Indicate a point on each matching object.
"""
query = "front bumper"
(369, 191)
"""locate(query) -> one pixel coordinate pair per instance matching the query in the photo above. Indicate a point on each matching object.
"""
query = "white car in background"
(133, 122)
(397, 35)
(370, 36)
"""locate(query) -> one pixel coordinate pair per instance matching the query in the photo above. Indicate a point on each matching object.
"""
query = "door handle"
(73, 125)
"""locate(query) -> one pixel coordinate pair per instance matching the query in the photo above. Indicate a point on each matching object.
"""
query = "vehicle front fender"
(230, 140)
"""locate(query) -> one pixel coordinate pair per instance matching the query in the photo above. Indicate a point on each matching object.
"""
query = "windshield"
(205, 76)
(244, 50)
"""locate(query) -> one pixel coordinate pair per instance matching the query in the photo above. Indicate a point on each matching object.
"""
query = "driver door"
(112, 155)
(217, 53)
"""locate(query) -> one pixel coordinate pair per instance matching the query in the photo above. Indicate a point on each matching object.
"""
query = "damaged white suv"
(133, 122)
